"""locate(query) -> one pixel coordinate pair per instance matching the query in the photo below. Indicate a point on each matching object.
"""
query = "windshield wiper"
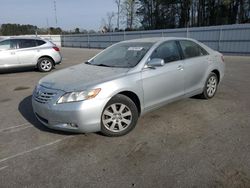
(103, 65)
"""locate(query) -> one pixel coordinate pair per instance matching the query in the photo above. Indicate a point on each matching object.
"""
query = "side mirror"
(156, 62)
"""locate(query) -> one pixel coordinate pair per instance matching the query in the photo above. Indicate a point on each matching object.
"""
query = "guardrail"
(229, 39)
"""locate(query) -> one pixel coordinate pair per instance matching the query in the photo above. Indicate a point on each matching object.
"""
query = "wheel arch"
(45, 56)
(134, 97)
(215, 71)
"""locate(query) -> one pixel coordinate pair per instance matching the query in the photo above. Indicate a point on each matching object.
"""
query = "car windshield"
(122, 55)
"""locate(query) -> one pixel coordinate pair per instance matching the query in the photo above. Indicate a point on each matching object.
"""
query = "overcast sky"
(85, 14)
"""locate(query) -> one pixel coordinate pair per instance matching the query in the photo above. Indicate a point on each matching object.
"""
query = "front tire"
(210, 87)
(45, 64)
(119, 116)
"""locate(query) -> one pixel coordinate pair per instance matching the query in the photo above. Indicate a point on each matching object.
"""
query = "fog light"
(73, 125)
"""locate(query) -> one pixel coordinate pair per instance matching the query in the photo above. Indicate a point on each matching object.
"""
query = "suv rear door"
(27, 51)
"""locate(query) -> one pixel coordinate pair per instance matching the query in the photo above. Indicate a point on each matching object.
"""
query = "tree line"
(154, 14)
(163, 14)
(19, 29)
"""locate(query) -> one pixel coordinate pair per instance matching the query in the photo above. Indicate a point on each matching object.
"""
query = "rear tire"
(45, 64)
(210, 87)
(119, 116)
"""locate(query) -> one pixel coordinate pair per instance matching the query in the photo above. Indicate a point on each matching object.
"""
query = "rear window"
(40, 42)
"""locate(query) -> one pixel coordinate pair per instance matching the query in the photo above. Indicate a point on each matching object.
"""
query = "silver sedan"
(113, 89)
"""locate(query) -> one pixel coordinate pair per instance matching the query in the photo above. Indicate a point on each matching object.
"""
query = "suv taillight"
(56, 48)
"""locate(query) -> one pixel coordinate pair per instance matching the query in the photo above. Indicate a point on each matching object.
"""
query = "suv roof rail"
(21, 37)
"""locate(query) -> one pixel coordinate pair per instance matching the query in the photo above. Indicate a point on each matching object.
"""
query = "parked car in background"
(26, 51)
(110, 91)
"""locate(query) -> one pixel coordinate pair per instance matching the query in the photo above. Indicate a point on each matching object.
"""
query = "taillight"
(56, 48)
(222, 58)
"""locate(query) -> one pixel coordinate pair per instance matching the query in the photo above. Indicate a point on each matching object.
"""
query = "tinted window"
(5, 45)
(191, 49)
(167, 51)
(13, 44)
(40, 42)
(8, 44)
(26, 43)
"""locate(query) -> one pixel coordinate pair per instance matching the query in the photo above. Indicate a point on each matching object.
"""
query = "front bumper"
(82, 117)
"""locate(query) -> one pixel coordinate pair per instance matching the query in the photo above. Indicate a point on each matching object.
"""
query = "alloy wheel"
(117, 117)
(46, 65)
(211, 86)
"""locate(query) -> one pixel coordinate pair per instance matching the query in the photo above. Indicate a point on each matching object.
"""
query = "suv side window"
(8, 44)
(40, 42)
(27, 43)
(191, 49)
(167, 51)
(5, 45)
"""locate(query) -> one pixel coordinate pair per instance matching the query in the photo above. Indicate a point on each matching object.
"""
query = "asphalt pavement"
(189, 143)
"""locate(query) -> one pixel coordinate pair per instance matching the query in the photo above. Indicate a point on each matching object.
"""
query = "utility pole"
(47, 21)
(55, 12)
(118, 3)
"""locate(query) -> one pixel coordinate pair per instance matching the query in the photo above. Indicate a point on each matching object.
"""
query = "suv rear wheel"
(45, 64)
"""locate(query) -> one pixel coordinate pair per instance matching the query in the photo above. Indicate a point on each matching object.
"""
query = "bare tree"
(129, 10)
(107, 24)
(110, 17)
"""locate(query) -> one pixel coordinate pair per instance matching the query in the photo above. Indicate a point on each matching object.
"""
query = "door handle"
(180, 67)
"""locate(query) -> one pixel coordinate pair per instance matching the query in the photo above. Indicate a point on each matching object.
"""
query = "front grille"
(43, 96)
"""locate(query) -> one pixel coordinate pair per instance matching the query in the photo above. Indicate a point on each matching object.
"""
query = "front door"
(165, 83)
(8, 57)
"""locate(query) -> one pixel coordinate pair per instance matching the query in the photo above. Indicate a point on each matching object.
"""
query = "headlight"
(78, 96)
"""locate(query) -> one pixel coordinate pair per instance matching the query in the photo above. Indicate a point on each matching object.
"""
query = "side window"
(27, 43)
(14, 44)
(40, 42)
(191, 49)
(167, 51)
(5, 45)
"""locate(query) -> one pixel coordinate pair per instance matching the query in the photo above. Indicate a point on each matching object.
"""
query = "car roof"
(157, 39)
(21, 37)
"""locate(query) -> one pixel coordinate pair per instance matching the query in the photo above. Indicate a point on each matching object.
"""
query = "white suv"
(24, 52)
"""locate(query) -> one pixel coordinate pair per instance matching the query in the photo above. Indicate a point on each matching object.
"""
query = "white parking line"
(13, 127)
(34, 149)
(19, 129)
(2, 168)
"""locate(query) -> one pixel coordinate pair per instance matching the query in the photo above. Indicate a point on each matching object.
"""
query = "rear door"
(27, 51)
(8, 57)
(196, 61)
(165, 83)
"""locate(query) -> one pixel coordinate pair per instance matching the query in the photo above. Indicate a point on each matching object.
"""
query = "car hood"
(80, 77)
